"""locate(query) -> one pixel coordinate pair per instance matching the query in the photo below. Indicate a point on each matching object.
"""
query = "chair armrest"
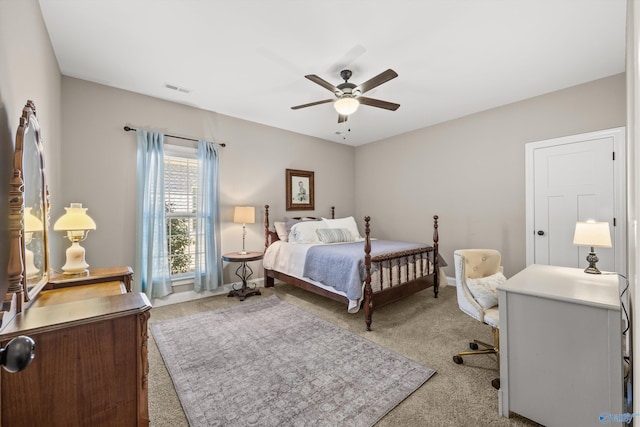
(466, 301)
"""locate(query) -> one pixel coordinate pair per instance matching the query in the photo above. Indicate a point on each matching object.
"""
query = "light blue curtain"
(152, 265)
(208, 274)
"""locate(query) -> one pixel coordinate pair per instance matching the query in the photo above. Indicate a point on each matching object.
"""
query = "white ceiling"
(248, 58)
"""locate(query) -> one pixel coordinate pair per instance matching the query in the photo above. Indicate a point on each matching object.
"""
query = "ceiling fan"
(350, 95)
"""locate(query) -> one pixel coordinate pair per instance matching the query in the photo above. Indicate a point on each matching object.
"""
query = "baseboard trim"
(190, 295)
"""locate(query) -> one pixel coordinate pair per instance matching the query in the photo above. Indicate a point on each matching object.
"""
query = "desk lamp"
(77, 224)
(244, 215)
(593, 234)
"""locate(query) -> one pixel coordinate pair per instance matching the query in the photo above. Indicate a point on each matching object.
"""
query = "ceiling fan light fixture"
(346, 105)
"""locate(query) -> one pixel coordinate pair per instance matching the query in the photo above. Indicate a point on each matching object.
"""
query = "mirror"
(29, 160)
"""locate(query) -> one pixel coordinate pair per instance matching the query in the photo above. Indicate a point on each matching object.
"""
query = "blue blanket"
(341, 266)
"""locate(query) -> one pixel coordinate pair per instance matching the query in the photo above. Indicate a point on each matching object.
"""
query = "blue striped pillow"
(334, 235)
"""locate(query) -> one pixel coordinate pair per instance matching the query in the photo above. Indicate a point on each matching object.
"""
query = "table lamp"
(244, 215)
(593, 234)
(32, 224)
(77, 224)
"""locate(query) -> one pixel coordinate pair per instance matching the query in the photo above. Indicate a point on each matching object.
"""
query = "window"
(180, 183)
(178, 196)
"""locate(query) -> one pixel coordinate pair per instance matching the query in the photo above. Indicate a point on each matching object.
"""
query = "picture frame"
(300, 191)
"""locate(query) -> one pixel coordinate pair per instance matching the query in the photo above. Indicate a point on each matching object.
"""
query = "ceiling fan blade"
(325, 84)
(311, 104)
(342, 118)
(376, 81)
(378, 103)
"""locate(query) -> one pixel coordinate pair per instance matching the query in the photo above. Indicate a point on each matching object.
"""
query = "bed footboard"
(398, 274)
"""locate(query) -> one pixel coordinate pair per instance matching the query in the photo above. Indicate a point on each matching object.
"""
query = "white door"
(575, 179)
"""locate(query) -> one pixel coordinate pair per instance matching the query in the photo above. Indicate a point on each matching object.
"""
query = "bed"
(373, 272)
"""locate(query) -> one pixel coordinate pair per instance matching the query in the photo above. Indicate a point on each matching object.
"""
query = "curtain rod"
(222, 144)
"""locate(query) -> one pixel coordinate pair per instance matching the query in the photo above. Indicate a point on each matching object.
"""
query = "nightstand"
(244, 272)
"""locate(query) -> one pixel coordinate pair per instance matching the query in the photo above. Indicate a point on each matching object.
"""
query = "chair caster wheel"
(496, 383)
(473, 346)
(457, 359)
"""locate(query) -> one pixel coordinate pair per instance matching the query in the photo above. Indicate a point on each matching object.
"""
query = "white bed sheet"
(289, 258)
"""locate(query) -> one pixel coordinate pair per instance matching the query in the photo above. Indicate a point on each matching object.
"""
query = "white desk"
(560, 346)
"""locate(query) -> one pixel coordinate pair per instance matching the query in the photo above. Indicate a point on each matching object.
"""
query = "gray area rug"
(265, 362)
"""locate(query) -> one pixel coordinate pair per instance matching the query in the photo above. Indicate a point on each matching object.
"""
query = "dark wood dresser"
(90, 366)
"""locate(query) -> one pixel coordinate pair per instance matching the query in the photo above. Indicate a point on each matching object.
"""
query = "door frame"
(619, 189)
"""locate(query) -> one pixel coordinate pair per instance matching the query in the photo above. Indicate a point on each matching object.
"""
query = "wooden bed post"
(333, 212)
(436, 258)
(269, 282)
(368, 294)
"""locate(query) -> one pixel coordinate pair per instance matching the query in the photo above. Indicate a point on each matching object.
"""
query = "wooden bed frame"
(371, 299)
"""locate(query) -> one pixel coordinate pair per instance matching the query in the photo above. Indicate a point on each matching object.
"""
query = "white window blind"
(180, 182)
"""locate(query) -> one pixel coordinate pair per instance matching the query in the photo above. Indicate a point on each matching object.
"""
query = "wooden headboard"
(272, 236)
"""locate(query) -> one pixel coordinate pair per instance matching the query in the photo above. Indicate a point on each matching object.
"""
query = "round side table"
(244, 272)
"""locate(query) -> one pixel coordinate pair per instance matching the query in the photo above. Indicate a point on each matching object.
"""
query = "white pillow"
(281, 230)
(305, 232)
(349, 223)
(290, 222)
(484, 291)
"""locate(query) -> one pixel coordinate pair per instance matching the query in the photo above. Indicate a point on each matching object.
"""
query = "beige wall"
(28, 70)
(99, 160)
(470, 171)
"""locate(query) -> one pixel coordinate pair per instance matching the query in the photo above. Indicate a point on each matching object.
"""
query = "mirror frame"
(17, 268)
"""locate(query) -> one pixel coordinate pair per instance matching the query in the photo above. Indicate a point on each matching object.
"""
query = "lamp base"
(244, 234)
(592, 259)
(75, 260)
(592, 270)
(84, 272)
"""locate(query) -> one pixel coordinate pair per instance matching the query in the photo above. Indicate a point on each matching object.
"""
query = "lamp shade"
(592, 233)
(244, 214)
(76, 218)
(31, 222)
(346, 105)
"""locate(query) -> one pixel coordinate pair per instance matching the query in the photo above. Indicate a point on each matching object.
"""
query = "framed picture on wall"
(299, 190)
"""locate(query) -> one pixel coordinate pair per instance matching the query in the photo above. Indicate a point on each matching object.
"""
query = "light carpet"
(266, 362)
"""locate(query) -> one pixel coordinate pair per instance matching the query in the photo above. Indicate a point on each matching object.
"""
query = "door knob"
(540, 233)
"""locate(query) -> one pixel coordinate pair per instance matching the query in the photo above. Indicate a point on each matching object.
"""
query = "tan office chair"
(474, 264)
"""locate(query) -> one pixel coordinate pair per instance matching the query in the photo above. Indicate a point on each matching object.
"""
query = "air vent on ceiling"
(177, 88)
